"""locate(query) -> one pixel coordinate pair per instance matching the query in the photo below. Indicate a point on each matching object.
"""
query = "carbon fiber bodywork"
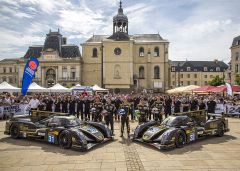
(166, 135)
(83, 135)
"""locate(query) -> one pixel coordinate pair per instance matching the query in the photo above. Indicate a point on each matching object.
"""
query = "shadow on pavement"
(47, 147)
(193, 146)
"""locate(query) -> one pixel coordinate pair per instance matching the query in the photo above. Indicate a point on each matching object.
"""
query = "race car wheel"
(65, 139)
(220, 130)
(180, 139)
(15, 131)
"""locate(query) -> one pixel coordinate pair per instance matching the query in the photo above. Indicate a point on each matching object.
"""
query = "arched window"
(156, 72)
(94, 52)
(141, 72)
(141, 51)
(156, 51)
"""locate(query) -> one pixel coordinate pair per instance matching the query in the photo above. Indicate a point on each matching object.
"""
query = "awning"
(5, 87)
(59, 88)
(97, 88)
(203, 89)
(34, 87)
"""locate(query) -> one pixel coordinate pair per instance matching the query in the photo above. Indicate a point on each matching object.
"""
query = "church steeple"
(120, 26)
(120, 21)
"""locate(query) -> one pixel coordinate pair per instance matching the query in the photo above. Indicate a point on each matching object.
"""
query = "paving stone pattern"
(210, 154)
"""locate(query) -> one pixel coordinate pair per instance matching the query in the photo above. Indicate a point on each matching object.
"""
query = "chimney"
(64, 40)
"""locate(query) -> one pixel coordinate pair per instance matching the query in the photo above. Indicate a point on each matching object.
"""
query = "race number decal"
(192, 137)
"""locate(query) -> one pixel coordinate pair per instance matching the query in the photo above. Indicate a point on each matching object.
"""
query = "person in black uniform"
(57, 104)
(177, 105)
(80, 107)
(87, 106)
(118, 103)
(72, 103)
(185, 104)
(150, 102)
(125, 118)
(194, 104)
(211, 104)
(159, 105)
(143, 115)
(202, 105)
(168, 106)
(99, 107)
(49, 104)
(109, 117)
(65, 105)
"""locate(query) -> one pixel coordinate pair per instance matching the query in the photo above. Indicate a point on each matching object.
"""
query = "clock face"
(117, 51)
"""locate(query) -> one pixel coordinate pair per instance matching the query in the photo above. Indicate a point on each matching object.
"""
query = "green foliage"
(216, 81)
(237, 79)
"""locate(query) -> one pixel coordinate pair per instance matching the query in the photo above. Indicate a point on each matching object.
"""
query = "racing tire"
(65, 139)
(15, 131)
(180, 139)
(220, 131)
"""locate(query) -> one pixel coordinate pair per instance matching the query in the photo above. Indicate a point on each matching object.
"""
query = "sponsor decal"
(24, 134)
(41, 133)
(92, 130)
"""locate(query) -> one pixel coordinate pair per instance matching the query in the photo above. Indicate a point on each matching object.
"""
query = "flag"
(229, 89)
(29, 73)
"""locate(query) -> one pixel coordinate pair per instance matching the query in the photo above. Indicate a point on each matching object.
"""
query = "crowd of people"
(112, 108)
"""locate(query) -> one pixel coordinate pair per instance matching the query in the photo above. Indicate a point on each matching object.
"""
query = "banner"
(229, 89)
(233, 110)
(220, 108)
(16, 109)
(29, 73)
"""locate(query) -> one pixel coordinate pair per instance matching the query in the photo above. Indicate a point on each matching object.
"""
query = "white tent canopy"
(97, 88)
(5, 87)
(185, 89)
(34, 87)
(58, 88)
(76, 86)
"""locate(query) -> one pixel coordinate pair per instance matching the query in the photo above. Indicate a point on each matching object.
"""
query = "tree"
(216, 81)
(237, 79)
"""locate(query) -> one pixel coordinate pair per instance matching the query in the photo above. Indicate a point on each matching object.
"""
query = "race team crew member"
(159, 105)
(99, 107)
(109, 117)
(211, 105)
(125, 118)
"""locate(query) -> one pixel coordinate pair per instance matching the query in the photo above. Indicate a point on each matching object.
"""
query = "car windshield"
(74, 122)
(171, 121)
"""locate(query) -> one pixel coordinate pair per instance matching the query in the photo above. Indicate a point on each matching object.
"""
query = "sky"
(196, 29)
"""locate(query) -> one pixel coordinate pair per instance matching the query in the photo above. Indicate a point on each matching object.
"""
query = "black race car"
(176, 131)
(67, 131)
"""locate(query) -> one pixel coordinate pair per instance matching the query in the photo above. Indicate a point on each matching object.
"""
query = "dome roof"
(120, 15)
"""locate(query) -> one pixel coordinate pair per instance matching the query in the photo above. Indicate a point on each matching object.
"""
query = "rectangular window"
(218, 69)
(181, 75)
(195, 82)
(4, 70)
(205, 69)
(211, 76)
(188, 69)
(188, 75)
(73, 75)
(206, 83)
(181, 83)
(64, 72)
(205, 76)
(173, 69)
(237, 56)
(195, 75)
(188, 82)
(236, 68)
(10, 70)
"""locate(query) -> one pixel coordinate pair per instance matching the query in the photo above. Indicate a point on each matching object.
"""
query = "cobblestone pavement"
(211, 154)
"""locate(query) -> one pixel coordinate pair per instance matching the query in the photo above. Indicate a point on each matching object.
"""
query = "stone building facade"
(235, 59)
(183, 73)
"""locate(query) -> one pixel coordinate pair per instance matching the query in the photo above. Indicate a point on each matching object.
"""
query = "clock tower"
(117, 54)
